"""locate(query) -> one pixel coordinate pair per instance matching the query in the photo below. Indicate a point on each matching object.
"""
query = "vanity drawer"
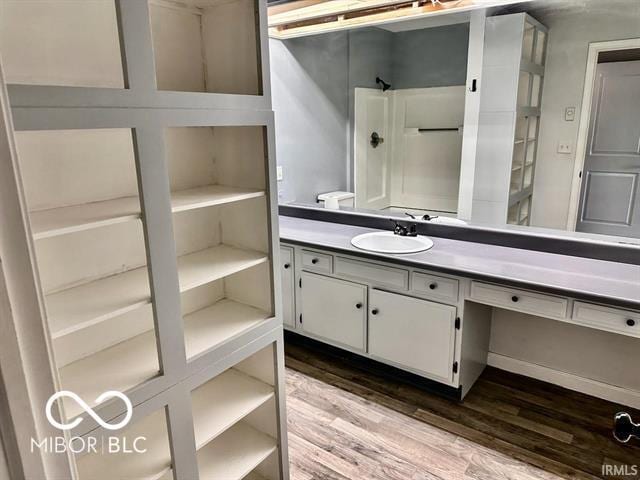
(520, 300)
(319, 262)
(435, 286)
(382, 275)
(607, 318)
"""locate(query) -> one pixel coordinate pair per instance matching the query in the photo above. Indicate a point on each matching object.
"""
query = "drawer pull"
(358, 305)
(433, 286)
(374, 311)
(514, 298)
(287, 265)
(631, 322)
(314, 261)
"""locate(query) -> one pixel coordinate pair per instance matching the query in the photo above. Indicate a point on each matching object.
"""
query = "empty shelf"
(214, 325)
(225, 400)
(90, 303)
(205, 266)
(154, 464)
(235, 453)
(209, 196)
(120, 367)
(76, 218)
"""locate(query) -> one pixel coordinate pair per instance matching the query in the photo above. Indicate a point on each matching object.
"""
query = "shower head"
(384, 85)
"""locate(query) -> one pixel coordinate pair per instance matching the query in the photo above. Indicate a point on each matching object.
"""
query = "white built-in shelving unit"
(144, 140)
(511, 90)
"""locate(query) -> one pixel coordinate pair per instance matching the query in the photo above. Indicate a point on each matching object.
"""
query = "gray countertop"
(608, 282)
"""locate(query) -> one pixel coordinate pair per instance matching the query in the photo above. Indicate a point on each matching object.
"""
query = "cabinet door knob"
(433, 286)
(374, 311)
(287, 265)
(514, 298)
(358, 305)
(631, 322)
(314, 261)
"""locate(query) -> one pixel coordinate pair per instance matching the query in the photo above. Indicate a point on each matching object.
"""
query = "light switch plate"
(570, 114)
(279, 173)
(564, 147)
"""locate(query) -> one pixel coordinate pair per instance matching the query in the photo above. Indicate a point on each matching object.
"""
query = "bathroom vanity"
(430, 313)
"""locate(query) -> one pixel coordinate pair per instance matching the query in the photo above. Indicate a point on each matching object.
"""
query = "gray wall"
(313, 81)
(309, 78)
(433, 57)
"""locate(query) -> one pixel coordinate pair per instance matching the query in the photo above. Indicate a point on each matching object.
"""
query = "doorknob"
(376, 139)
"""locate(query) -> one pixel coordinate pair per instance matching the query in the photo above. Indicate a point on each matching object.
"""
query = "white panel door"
(609, 199)
(334, 309)
(372, 169)
(427, 148)
(288, 286)
(413, 333)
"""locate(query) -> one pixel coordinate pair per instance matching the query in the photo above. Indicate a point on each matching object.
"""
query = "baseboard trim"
(612, 393)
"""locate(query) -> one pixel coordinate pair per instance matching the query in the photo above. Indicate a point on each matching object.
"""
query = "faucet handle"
(397, 228)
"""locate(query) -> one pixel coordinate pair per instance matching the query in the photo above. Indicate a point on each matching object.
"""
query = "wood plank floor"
(346, 423)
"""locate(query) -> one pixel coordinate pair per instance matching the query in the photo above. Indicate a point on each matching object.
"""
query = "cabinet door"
(288, 286)
(413, 333)
(334, 309)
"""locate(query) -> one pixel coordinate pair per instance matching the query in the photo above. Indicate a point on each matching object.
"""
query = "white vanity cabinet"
(413, 333)
(396, 315)
(333, 309)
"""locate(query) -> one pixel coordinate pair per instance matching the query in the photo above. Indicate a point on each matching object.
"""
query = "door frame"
(585, 117)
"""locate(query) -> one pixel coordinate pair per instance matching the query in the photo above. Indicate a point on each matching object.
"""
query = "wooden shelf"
(205, 266)
(235, 453)
(224, 401)
(154, 464)
(120, 367)
(214, 325)
(76, 218)
(88, 304)
(210, 196)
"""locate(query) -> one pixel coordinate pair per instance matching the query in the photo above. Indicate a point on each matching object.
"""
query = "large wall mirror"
(545, 136)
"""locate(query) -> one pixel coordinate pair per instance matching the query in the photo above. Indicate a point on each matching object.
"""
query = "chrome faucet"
(404, 230)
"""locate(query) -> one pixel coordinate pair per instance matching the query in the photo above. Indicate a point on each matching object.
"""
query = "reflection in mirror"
(529, 117)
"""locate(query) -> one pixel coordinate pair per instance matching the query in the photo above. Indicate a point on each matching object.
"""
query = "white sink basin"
(389, 242)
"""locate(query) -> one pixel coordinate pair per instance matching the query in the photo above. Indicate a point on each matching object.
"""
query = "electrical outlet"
(279, 173)
(570, 114)
(564, 147)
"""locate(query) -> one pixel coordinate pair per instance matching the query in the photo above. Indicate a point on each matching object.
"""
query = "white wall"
(570, 35)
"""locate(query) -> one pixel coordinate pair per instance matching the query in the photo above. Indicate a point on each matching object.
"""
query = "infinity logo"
(89, 410)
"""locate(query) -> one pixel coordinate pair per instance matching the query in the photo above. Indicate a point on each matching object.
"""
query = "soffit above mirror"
(301, 18)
